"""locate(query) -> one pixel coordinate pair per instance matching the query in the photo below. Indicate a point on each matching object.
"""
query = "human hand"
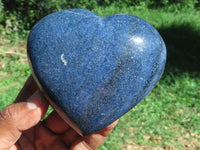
(21, 128)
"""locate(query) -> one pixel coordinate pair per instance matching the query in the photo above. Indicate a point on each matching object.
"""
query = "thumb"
(18, 117)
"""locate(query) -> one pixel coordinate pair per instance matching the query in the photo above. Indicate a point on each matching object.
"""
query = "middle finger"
(55, 123)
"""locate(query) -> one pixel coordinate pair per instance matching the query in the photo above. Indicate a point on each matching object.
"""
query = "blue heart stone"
(94, 69)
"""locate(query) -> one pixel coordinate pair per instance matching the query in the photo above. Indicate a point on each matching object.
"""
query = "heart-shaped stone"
(94, 69)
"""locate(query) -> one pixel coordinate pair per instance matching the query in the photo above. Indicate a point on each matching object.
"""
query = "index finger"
(29, 88)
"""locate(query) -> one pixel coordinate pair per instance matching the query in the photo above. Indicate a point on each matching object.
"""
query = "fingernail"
(31, 105)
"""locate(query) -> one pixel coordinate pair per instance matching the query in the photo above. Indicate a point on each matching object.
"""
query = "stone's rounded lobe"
(95, 69)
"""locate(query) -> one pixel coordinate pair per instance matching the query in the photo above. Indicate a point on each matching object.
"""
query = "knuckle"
(7, 114)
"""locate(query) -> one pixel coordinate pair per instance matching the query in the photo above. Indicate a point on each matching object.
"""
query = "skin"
(21, 127)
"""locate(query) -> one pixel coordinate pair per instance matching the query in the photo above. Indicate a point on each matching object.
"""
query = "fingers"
(70, 136)
(18, 117)
(47, 140)
(26, 143)
(29, 88)
(42, 104)
(55, 123)
(93, 141)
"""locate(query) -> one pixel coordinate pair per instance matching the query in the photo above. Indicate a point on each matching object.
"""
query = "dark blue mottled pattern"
(95, 68)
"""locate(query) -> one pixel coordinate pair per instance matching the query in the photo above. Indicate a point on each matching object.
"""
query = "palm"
(52, 133)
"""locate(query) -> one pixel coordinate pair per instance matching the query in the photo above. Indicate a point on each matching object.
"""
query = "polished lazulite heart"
(94, 69)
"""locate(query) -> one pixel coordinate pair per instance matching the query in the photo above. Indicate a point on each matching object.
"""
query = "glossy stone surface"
(94, 69)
